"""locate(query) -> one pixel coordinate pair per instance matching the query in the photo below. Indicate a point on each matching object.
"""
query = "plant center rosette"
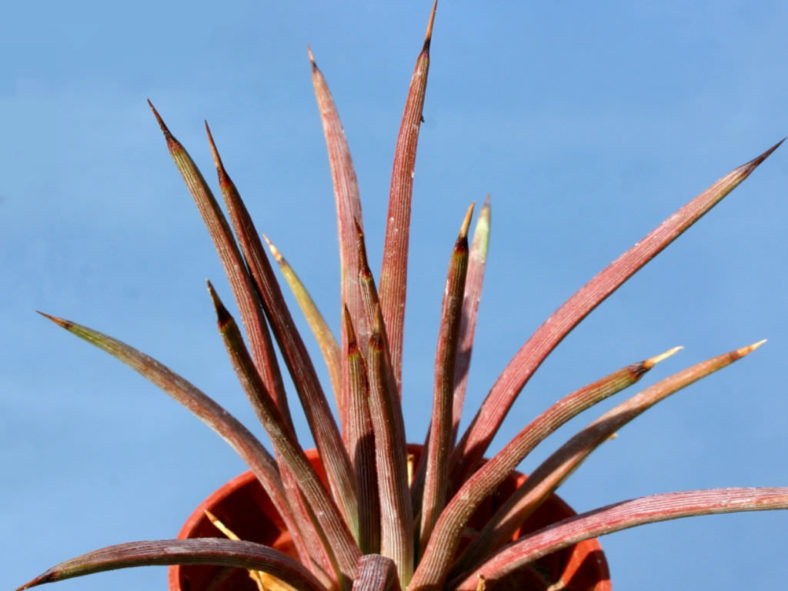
(244, 508)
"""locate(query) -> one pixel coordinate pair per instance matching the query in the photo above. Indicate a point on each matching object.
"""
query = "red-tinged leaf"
(374, 317)
(323, 335)
(477, 261)
(311, 542)
(439, 555)
(348, 202)
(619, 516)
(556, 468)
(380, 358)
(376, 573)
(360, 442)
(396, 514)
(439, 440)
(313, 400)
(205, 408)
(339, 540)
(262, 579)
(234, 267)
(217, 551)
(394, 269)
(531, 355)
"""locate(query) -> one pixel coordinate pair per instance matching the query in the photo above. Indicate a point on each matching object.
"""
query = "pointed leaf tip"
(165, 130)
(755, 162)
(652, 361)
(428, 34)
(222, 315)
(750, 348)
(311, 57)
(211, 290)
(351, 333)
(47, 577)
(217, 160)
(466, 222)
(274, 250)
(59, 321)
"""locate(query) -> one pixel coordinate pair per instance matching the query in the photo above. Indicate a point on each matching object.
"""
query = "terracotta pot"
(244, 507)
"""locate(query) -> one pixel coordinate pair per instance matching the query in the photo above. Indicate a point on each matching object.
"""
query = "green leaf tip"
(481, 234)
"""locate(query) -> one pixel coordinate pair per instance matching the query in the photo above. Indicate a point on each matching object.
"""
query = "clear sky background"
(587, 122)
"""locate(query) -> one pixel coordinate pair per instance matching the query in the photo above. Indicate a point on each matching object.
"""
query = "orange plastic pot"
(244, 507)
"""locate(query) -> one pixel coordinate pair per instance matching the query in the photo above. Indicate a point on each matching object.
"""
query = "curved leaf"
(394, 269)
(624, 515)
(241, 554)
(531, 355)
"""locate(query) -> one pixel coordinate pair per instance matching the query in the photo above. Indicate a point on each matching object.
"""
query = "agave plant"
(380, 519)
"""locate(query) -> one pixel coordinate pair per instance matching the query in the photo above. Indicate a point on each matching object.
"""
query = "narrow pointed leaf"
(440, 553)
(394, 269)
(379, 358)
(252, 315)
(205, 408)
(439, 441)
(623, 515)
(396, 515)
(376, 573)
(217, 551)
(336, 532)
(313, 400)
(556, 468)
(530, 356)
(385, 411)
(360, 442)
(477, 261)
(374, 317)
(320, 329)
(348, 202)
(311, 544)
(234, 267)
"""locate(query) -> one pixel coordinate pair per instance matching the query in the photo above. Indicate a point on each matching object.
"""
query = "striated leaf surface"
(488, 419)
(394, 269)
(619, 516)
(218, 551)
(376, 573)
(396, 514)
(439, 440)
(234, 267)
(439, 554)
(553, 471)
(323, 335)
(360, 442)
(348, 205)
(477, 261)
(338, 538)
(299, 364)
(211, 413)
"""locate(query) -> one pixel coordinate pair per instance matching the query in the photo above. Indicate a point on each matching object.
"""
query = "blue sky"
(588, 123)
